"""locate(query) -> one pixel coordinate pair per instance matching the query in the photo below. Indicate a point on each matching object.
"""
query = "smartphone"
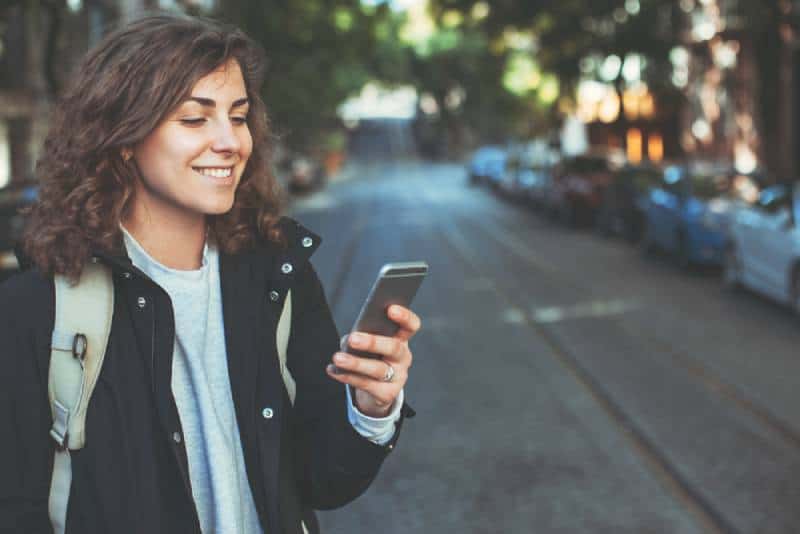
(397, 283)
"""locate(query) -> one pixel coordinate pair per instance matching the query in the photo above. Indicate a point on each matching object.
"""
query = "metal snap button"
(176, 437)
(274, 296)
(286, 268)
(307, 242)
(267, 413)
(141, 302)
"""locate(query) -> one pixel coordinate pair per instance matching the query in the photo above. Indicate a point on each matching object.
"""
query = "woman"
(157, 166)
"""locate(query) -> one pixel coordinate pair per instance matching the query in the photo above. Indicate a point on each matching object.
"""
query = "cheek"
(246, 141)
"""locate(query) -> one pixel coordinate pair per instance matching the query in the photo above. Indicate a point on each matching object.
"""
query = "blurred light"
(632, 7)
(725, 53)
(419, 26)
(609, 70)
(452, 18)
(518, 40)
(574, 138)
(75, 5)
(687, 5)
(455, 97)
(632, 67)
(480, 11)
(375, 101)
(5, 155)
(620, 16)
(638, 102)
(609, 107)
(701, 130)
(680, 78)
(704, 30)
(672, 174)
(343, 19)
(428, 104)
(647, 105)
(655, 147)
(548, 90)
(633, 140)
(588, 64)
(744, 159)
(679, 56)
(746, 188)
(522, 74)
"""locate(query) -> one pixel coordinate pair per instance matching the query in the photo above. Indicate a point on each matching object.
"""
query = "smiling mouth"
(214, 172)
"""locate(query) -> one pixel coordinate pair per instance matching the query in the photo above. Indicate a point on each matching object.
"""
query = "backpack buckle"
(79, 345)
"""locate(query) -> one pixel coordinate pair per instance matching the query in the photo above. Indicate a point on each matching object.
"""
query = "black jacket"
(132, 476)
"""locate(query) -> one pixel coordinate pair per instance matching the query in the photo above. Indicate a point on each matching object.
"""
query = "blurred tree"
(319, 53)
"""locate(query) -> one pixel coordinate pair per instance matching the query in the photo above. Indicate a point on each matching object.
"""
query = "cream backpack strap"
(282, 341)
(80, 335)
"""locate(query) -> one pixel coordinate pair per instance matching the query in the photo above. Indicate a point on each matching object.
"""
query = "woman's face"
(192, 162)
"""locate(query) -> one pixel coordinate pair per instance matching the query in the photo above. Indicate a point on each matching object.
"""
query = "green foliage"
(319, 52)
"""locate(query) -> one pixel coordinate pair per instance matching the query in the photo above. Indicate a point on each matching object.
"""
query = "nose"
(225, 138)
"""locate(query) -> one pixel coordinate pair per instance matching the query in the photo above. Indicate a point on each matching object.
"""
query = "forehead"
(224, 81)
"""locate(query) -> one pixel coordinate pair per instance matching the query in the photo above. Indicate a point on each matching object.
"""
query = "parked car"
(688, 213)
(487, 165)
(535, 170)
(620, 211)
(763, 252)
(13, 198)
(578, 186)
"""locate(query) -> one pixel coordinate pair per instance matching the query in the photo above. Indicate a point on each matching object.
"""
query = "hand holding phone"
(397, 283)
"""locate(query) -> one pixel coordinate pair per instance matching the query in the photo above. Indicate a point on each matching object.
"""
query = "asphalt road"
(563, 382)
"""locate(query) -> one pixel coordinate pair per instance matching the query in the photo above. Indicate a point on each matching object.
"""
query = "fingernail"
(356, 339)
(395, 312)
(340, 358)
(332, 369)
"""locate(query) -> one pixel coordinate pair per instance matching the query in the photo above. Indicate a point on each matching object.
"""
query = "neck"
(176, 242)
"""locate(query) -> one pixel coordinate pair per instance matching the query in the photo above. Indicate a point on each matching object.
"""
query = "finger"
(384, 392)
(405, 318)
(390, 348)
(369, 367)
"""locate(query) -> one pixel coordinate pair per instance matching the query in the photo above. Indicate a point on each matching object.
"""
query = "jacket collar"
(300, 244)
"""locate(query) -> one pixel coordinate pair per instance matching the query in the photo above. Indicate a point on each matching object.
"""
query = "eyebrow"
(207, 102)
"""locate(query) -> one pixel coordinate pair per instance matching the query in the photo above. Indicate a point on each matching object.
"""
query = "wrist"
(365, 403)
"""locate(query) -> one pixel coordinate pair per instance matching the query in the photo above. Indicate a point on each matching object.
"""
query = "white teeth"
(215, 172)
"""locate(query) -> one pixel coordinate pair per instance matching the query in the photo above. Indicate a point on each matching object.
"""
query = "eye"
(193, 122)
(239, 120)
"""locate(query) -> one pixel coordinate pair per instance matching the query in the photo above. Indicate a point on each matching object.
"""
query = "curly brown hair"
(121, 92)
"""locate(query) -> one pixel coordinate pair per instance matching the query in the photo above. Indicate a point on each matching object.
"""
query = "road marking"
(514, 316)
(659, 463)
(597, 308)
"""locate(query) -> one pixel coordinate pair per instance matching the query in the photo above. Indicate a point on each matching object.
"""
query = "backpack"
(80, 335)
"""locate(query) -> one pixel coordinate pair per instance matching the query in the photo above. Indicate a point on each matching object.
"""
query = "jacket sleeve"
(26, 453)
(337, 463)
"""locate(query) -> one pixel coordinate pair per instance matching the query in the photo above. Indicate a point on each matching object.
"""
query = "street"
(563, 382)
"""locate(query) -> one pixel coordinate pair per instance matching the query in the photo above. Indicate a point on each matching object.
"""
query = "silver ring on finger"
(389, 376)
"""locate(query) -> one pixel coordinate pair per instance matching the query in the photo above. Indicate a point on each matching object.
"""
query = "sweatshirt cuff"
(378, 430)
